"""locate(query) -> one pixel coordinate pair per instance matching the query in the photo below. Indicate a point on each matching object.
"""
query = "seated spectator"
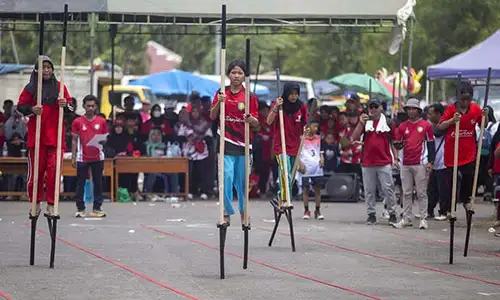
(155, 148)
(16, 145)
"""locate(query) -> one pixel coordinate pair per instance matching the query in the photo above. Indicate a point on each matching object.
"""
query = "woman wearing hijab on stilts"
(234, 153)
(294, 119)
(49, 112)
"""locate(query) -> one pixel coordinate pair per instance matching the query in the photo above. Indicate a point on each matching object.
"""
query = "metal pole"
(217, 50)
(92, 40)
(410, 46)
(14, 47)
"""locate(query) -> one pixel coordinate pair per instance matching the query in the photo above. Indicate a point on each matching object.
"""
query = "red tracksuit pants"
(46, 173)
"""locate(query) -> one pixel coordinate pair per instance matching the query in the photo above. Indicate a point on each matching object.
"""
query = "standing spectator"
(263, 150)
(49, 114)
(437, 191)
(311, 163)
(157, 121)
(196, 151)
(233, 99)
(484, 180)
(350, 150)
(330, 151)
(135, 146)
(468, 114)
(417, 142)
(294, 119)
(8, 108)
(88, 154)
(15, 124)
(130, 113)
(377, 159)
(145, 114)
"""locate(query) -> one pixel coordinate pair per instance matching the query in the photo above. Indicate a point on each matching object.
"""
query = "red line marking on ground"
(263, 263)
(140, 275)
(411, 236)
(4, 295)
(393, 260)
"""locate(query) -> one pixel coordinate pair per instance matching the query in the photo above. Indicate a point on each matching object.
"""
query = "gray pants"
(383, 176)
(414, 177)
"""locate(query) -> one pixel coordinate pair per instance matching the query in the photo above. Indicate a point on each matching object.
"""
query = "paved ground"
(144, 251)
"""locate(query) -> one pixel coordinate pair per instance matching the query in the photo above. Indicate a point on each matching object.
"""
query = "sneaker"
(318, 215)
(307, 215)
(80, 214)
(402, 224)
(38, 209)
(98, 214)
(418, 216)
(385, 214)
(423, 224)
(441, 218)
(204, 197)
(392, 219)
(372, 219)
(190, 196)
(50, 209)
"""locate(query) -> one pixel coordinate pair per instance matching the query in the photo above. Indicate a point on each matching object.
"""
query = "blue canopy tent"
(177, 82)
(8, 68)
(473, 63)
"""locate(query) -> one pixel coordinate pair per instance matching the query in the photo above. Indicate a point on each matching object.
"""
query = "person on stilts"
(233, 99)
(469, 115)
(295, 119)
(49, 112)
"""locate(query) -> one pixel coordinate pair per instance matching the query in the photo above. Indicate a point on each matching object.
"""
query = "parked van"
(269, 80)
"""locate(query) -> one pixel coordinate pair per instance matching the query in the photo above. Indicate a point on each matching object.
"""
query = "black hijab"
(49, 87)
(289, 107)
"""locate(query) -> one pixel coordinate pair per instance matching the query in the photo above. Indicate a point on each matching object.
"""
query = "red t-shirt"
(467, 141)
(163, 126)
(235, 120)
(351, 154)
(415, 135)
(86, 129)
(377, 148)
(294, 126)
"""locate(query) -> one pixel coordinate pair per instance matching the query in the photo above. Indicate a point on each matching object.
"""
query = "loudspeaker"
(341, 187)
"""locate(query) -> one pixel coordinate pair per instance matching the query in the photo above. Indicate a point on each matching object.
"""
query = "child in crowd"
(330, 152)
(311, 168)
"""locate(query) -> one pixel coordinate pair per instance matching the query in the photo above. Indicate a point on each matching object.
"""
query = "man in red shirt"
(469, 114)
(295, 117)
(417, 142)
(49, 114)
(377, 159)
(89, 132)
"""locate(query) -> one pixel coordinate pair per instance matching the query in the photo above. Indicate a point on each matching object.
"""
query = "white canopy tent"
(253, 13)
